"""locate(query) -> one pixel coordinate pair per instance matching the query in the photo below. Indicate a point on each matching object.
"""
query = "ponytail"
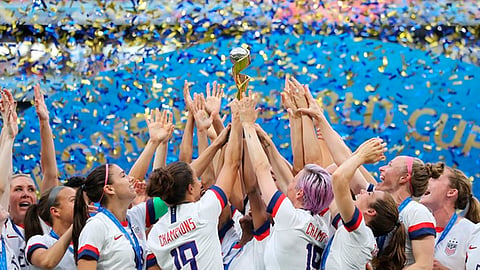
(32, 222)
(393, 256)
(38, 211)
(79, 219)
(473, 210)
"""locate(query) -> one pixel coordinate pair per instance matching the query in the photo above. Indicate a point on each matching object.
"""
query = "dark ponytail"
(37, 211)
(385, 223)
(93, 188)
(79, 219)
(170, 183)
(465, 200)
(393, 256)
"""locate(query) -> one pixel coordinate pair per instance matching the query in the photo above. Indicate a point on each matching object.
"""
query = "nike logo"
(471, 247)
(117, 237)
(12, 236)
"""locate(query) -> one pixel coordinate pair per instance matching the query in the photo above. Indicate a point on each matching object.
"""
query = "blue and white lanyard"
(55, 236)
(3, 262)
(15, 228)
(404, 204)
(134, 242)
(447, 229)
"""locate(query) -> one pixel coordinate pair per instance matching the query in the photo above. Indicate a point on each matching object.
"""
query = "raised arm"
(200, 164)
(338, 149)
(159, 126)
(259, 213)
(160, 159)
(213, 102)
(186, 146)
(48, 160)
(258, 158)
(295, 120)
(233, 153)
(311, 147)
(369, 152)
(9, 131)
(203, 122)
(281, 168)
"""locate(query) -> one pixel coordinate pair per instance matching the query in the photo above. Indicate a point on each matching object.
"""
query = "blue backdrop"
(420, 104)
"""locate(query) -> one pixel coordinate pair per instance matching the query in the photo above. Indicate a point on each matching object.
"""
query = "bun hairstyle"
(421, 173)
(93, 188)
(41, 210)
(170, 183)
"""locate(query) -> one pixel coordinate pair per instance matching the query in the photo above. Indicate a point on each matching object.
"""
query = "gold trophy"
(240, 58)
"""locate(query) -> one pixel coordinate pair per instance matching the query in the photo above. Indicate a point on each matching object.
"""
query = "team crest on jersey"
(137, 231)
(451, 247)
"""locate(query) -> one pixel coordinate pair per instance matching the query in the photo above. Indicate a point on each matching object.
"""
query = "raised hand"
(246, 109)
(8, 109)
(160, 125)
(40, 107)
(288, 100)
(214, 99)
(314, 109)
(186, 96)
(298, 92)
(202, 119)
(371, 151)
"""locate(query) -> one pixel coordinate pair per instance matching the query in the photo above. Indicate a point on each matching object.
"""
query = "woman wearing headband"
(403, 177)
(115, 237)
(52, 250)
(450, 190)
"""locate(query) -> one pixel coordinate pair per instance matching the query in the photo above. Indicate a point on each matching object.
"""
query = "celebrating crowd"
(240, 204)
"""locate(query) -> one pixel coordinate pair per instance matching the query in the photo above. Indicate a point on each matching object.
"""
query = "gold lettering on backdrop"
(471, 142)
(71, 167)
(347, 110)
(384, 104)
(330, 106)
(412, 123)
(439, 133)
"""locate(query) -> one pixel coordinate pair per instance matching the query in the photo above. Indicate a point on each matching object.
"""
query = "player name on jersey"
(316, 233)
(184, 227)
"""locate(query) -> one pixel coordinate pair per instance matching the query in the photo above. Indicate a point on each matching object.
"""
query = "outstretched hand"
(214, 98)
(246, 109)
(371, 151)
(202, 119)
(186, 96)
(160, 125)
(8, 108)
(40, 107)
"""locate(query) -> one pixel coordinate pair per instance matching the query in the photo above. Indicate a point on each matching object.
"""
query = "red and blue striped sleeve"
(353, 224)
(32, 248)
(275, 203)
(88, 252)
(421, 229)
(262, 232)
(151, 260)
(336, 221)
(222, 198)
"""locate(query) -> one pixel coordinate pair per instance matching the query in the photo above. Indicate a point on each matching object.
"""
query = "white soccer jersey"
(228, 238)
(473, 251)
(10, 257)
(251, 255)
(297, 232)
(452, 250)
(418, 221)
(103, 241)
(187, 236)
(46, 241)
(14, 235)
(352, 246)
